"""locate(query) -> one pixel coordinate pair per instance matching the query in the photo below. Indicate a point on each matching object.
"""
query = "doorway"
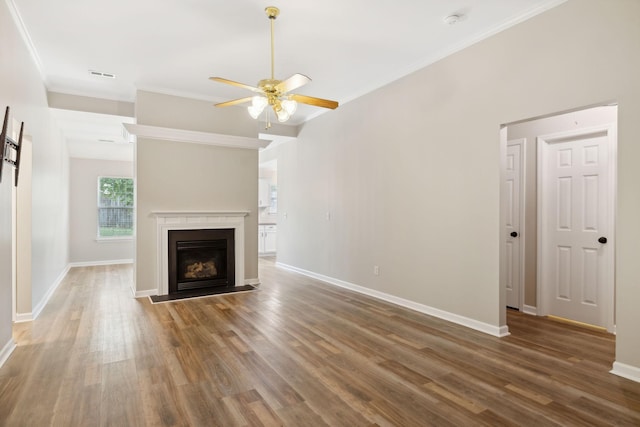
(267, 207)
(555, 275)
(514, 222)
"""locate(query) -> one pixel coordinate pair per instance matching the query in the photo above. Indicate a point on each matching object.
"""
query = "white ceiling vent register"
(102, 74)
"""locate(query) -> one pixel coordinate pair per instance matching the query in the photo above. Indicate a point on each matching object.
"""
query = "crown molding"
(24, 33)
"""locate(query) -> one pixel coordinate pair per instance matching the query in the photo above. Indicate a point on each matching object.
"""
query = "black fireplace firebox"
(201, 259)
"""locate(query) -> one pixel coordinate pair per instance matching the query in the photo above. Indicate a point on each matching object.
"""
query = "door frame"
(21, 207)
(543, 142)
(522, 142)
(14, 248)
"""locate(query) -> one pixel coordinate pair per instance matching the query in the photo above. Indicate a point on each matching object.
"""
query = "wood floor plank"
(297, 352)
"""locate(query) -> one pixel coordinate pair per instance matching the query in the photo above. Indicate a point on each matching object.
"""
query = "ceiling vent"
(102, 74)
(453, 19)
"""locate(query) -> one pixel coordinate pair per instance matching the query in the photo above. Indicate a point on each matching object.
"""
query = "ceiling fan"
(275, 93)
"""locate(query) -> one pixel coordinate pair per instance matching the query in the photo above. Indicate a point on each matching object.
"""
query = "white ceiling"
(348, 48)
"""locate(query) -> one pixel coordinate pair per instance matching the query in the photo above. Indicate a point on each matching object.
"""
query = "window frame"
(100, 238)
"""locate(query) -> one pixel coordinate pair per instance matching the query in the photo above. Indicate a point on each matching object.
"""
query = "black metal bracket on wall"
(7, 143)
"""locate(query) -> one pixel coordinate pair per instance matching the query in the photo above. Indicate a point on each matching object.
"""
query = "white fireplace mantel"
(191, 220)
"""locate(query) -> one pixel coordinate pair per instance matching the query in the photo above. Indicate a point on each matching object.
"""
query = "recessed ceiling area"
(94, 136)
(347, 48)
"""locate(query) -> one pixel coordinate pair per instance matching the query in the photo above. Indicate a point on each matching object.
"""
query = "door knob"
(515, 234)
(602, 240)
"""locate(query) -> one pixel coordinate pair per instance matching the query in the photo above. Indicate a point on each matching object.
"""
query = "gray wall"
(530, 130)
(411, 172)
(179, 176)
(83, 202)
(21, 88)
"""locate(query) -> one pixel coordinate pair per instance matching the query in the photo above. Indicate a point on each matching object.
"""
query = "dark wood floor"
(298, 353)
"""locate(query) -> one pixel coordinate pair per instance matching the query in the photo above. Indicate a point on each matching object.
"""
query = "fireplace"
(170, 221)
(200, 259)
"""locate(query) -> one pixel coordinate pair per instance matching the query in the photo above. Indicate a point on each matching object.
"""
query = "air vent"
(453, 19)
(102, 74)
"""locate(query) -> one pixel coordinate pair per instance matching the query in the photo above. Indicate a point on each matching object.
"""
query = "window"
(115, 207)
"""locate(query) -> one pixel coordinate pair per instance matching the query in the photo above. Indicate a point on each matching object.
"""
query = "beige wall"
(50, 209)
(5, 258)
(530, 130)
(179, 176)
(22, 229)
(65, 101)
(411, 172)
(83, 201)
(22, 89)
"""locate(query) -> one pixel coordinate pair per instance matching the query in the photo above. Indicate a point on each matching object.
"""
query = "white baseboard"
(145, 293)
(529, 309)
(6, 351)
(497, 331)
(626, 371)
(99, 263)
(23, 317)
(43, 302)
(252, 282)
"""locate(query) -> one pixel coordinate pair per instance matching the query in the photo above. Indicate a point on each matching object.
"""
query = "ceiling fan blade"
(293, 82)
(231, 82)
(234, 102)
(318, 102)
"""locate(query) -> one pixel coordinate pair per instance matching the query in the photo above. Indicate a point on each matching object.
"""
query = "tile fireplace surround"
(197, 220)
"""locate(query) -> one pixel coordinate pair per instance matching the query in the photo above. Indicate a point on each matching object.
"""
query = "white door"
(270, 238)
(263, 193)
(513, 235)
(261, 239)
(576, 217)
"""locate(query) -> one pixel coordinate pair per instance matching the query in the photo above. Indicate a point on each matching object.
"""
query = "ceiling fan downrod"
(272, 14)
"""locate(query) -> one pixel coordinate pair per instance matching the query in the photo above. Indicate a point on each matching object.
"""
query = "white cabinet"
(267, 239)
(264, 195)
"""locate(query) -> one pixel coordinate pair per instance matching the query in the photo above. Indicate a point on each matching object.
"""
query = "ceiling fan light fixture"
(259, 102)
(254, 112)
(257, 106)
(290, 106)
(281, 114)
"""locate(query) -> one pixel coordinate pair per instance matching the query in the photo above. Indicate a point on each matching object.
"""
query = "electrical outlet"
(376, 270)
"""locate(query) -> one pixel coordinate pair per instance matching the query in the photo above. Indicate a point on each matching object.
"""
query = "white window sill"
(118, 239)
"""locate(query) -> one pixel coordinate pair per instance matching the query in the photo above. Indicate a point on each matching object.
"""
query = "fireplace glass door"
(200, 259)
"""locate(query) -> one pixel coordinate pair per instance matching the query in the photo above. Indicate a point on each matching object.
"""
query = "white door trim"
(522, 142)
(543, 142)
(14, 246)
